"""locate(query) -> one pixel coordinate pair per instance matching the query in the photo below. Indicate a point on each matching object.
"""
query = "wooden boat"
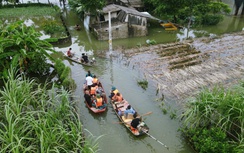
(77, 59)
(120, 107)
(105, 101)
(169, 26)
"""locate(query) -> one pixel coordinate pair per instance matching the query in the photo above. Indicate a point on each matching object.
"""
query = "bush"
(65, 73)
(211, 140)
(38, 64)
(59, 66)
(52, 26)
(69, 83)
(212, 19)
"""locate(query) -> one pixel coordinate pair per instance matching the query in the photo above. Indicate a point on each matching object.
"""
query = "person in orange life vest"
(93, 89)
(69, 54)
(99, 101)
(114, 91)
(95, 80)
(118, 97)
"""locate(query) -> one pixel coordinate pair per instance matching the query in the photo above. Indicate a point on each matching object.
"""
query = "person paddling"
(69, 54)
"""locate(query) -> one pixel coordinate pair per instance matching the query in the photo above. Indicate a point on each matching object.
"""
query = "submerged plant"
(143, 84)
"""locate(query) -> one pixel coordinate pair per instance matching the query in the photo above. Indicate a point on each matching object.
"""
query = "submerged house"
(125, 22)
(137, 4)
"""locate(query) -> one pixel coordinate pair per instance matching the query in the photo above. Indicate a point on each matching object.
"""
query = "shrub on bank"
(213, 121)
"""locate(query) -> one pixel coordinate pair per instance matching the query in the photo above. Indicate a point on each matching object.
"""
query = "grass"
(44, 18)
(36, 119)
(32, 11)
(221, 108)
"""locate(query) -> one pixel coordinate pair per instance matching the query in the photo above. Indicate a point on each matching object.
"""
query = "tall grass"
(35, 119)
(27, 11)
(219, 107)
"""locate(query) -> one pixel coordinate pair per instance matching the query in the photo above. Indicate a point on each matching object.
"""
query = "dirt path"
(180, 70)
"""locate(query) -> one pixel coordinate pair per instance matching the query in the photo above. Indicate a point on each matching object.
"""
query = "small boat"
(119, 107)
(168, 26)
(105, 101)
(78, 60)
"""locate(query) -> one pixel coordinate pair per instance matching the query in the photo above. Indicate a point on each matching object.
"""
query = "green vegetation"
(35, 119)
(64, 74)
(151, 42)
(81, 6)
(211, 140)
(21, 47)
(53, 27)
(196, 12)
(220, 112)
(201, 34)
(143, 84)
(44, 17)
(27, 12)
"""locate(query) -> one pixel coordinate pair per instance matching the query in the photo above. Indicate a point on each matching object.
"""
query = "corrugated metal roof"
(114, 8)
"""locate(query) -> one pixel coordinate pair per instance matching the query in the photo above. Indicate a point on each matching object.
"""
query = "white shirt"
(89, 80)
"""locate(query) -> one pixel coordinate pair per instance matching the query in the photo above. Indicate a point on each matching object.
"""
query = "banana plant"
(20, 45)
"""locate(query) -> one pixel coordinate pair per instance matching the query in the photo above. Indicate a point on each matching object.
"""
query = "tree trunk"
(238, 4)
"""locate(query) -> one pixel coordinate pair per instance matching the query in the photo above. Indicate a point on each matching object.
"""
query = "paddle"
(156, 140)
(148, 113)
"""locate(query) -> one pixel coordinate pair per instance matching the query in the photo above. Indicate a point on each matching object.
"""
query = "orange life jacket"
(93, 90)
(99, 102)
(115, 93)
(119, 98)
(95, 80)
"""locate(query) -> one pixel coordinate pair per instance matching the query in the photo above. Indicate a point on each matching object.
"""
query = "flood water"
(114, 72)
(115, 137)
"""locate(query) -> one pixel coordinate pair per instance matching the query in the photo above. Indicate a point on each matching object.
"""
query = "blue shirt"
(131, 110)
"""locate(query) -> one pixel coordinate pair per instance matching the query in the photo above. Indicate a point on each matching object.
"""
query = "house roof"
(133, 3)
(115, 8)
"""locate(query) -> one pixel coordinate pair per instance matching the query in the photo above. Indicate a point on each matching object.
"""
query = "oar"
(148, 113)
(156, 140)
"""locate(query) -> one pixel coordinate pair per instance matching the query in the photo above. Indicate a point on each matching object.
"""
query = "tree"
(204, 11)
(20, 46)
(90, 6)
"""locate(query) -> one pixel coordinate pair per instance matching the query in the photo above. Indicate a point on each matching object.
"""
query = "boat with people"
(75, 58)
(127, 115)
(95, 97)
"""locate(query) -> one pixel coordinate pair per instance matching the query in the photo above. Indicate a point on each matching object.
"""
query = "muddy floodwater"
(176, 70)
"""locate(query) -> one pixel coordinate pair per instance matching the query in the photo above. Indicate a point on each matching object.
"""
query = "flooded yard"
(180, 70)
